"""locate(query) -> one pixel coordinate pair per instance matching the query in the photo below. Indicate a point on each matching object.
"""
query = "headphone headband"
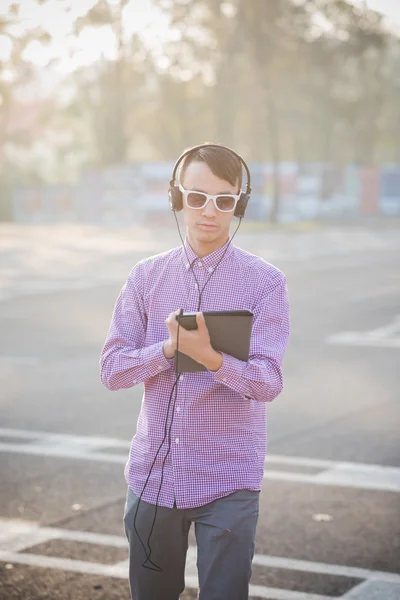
(182, 156)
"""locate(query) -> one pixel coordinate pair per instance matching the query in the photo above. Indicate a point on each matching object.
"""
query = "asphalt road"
(330, 513)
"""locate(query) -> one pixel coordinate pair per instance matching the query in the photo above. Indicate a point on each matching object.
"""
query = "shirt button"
(159, 367)
(196, 286)
(187, 265)
(210, 270)
(200, 264)
(176, 440)
(178, 408)
(224, 379)
(181, 378)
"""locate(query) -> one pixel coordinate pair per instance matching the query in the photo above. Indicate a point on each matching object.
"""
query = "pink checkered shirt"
(218, 434)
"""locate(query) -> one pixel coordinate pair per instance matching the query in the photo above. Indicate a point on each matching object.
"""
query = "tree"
(249, 47)
(15, 73)
(304, 80)
(106, 93)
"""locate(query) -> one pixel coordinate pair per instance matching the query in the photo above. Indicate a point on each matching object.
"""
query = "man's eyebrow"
(195, 189)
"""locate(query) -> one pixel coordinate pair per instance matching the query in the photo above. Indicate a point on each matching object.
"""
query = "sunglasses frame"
(209, 197)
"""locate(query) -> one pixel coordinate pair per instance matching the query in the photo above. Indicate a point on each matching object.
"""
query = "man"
(210, 470)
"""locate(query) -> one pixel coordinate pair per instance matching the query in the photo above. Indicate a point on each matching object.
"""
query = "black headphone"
(175, 194)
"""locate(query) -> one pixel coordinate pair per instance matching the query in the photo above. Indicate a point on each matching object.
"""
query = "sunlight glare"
(145, 18)
(93, 43)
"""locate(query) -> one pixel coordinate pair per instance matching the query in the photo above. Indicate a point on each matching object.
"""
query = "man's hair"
(220, 160)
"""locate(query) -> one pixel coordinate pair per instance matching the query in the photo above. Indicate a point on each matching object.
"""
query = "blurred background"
(97, 100)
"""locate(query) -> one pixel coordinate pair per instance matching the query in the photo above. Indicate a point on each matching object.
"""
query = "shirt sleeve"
(124, 361)
(260, 378)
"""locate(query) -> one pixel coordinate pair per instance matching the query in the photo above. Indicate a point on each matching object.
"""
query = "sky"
(141, 15)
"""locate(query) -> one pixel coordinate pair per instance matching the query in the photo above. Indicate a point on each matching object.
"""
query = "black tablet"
(230, 332)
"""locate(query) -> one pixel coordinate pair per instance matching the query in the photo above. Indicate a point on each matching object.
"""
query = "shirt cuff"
(155, 360)
(230, 370)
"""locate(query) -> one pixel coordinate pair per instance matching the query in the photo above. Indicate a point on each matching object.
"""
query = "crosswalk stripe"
(78, 566)
(331, 473)
(18, 536)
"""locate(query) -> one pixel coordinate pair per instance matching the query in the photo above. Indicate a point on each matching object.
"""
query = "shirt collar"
(210, 261)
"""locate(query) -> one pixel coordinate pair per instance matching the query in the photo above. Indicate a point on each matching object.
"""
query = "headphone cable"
(191, 264)
(155, 567)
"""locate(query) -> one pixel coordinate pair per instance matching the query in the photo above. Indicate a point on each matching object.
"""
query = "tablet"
(230, 332)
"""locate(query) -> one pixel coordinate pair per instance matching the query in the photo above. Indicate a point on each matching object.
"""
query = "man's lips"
(207, 225)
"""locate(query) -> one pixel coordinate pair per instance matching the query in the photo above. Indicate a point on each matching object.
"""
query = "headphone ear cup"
(175, 198)
(241, 205)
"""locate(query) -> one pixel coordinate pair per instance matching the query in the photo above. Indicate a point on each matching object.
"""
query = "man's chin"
(208, 236)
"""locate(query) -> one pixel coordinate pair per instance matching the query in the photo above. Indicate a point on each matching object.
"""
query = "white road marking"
(378, 478)
(88, 441)
(121, 572)
(17, 536)
(374, 590)
(323, 568)
(342, 474)
(382, 337)
(19, 361)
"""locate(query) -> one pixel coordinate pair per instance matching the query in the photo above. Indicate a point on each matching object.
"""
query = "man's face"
(207, 228)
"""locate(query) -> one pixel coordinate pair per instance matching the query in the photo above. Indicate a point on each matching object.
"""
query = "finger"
(170, 322)
(200, 320)
(171, 317)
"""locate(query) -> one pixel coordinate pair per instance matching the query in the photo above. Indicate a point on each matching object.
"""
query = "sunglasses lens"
(225, 203)
(196, 199)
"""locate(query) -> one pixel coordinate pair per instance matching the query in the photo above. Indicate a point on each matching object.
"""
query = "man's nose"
(209, 210)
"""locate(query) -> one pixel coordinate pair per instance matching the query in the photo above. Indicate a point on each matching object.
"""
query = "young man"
(210, 469)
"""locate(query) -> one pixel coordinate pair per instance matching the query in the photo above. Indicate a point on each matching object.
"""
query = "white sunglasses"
(198, 200)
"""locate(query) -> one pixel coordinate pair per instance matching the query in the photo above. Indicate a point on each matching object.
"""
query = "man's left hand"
(196, 342)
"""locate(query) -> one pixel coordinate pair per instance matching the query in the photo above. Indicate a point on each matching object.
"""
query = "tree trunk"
(273, 131)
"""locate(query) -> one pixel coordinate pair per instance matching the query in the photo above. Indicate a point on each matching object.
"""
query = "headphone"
(175, 194)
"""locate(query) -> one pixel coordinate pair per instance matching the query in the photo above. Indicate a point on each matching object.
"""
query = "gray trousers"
(225, 534)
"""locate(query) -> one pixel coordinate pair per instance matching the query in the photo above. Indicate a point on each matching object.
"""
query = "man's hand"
(169, 346)
(195, 343)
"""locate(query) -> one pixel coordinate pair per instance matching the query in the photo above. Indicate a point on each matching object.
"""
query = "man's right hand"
(169, 346)
(168, 349)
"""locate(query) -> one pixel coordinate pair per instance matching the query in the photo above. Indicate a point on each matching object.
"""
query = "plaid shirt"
(218, 423)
